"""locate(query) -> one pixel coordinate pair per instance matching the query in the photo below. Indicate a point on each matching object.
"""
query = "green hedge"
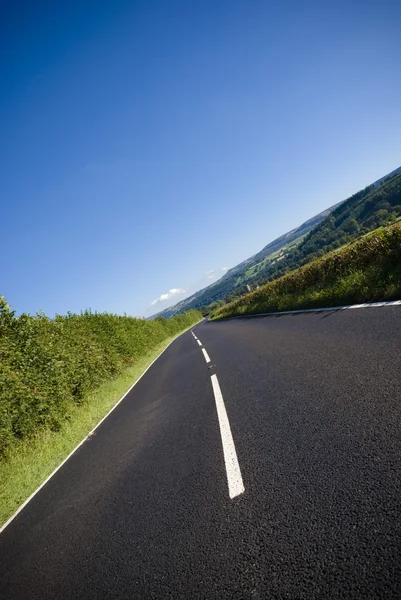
(367, 270)
(47, 366)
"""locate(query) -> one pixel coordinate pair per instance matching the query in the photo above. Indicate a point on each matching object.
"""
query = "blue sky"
(146, 144)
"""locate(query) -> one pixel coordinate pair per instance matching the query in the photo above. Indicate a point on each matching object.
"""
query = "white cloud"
(170, 294)
(215, 273)
(209, 278)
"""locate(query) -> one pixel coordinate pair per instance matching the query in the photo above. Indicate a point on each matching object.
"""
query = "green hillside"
(367, 270)
(235, 280)
(370, 208)
(377, 205)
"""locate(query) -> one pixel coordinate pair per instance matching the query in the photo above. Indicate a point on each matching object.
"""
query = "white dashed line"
(205, 354)
(234, 477)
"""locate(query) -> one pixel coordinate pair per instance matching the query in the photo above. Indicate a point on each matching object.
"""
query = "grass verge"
(366, 270)
(32, 460)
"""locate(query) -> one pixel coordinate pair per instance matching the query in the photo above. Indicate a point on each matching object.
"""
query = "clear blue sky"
(146, 143)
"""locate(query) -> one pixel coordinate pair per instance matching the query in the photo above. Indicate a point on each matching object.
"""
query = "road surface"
(311, 447)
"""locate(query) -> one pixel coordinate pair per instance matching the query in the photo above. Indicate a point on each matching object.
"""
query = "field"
(270, 259)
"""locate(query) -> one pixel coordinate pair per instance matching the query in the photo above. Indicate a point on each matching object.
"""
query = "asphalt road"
(143, 510)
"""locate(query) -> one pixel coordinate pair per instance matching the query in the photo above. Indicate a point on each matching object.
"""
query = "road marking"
(205, 354)
(373, 305)
(313, 310)
(234, 477)
(2, 528)
(199, 342)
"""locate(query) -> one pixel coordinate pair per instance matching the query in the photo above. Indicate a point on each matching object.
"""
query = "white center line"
(199, 342)
(205, 354)
(234, 477)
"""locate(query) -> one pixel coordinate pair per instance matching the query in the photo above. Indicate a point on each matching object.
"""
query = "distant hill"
(380, 181)
(236, 276)
(377, 204)
(370, 208)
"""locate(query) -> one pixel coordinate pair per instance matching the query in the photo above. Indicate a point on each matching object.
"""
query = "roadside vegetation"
(366, 270)
(58, 378)
(49, 367)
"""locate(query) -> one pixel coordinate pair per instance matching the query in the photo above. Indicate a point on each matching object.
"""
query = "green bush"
(47, 366)
(366, 270)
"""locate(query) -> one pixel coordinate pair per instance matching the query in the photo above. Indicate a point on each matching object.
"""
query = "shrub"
(47, 366)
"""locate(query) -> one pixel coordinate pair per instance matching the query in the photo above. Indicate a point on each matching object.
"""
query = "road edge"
(312, 310)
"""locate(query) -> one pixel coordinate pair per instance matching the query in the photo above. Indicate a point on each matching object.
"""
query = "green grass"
(366, 270)
(33, 459)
